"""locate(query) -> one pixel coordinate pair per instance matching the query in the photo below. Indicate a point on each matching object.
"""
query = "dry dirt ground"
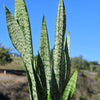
(87, 87)
(13, 87)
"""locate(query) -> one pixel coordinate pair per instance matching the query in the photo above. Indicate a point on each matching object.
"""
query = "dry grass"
(16, 64)
(13, 87)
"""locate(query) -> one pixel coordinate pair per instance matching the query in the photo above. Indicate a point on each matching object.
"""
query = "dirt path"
(14, 87)
(11, 77)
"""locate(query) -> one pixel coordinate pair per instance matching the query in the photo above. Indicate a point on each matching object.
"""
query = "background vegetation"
(4, 56)
(88, 84)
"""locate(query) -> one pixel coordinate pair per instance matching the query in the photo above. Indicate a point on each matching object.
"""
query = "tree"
(98, 76)
(98, 73)
(4, 56)
(94, 63)
(80, 63)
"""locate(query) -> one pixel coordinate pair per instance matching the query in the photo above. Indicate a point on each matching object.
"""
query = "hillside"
(16, 64)
(87, 87)
(14, 86)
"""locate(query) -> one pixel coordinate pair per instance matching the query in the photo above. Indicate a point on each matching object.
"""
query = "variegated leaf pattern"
(30, 68)
(42, 77)
(59, 39)
(54, 87)
(18, 40)
(44, 83)
(70, 88)
(15, 32)
(21, 15)
(68, 58)
(65, 62)
(40, 84)
(67, 45)
(62, 76)
(45, 52)
(29, 83)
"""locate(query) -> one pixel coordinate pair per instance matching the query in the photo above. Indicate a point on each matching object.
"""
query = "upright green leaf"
(62, 76)
(45, 83)
(39, 85)
(67, 45)
(68, 58)
(29, 83)
(22, 17)
(42, 77)
(49, 96)
(15, 33)
(59, 39)
(54, 87)
(45, 52)
(70, 88)
(18, 40)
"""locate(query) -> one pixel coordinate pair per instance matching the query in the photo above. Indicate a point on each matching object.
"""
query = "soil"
(13, 87)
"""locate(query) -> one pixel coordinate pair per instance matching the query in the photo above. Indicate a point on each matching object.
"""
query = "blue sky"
(83, 22)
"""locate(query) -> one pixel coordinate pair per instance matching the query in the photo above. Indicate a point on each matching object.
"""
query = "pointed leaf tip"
(61, 0)
(43, 20)
(68, 32)
(4, 6)
(6, 9)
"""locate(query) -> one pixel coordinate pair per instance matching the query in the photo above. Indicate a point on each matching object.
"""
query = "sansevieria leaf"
(48, 74)
(68, 58)
(18, 40)
(15, 33)
(70, 88)
(29, 83)
(59, 39)
(62, 75)
(54, 87)
(45, 52)
(49, 96)
(42, 77)
(67, 44)
(39, 85)
(21, 15)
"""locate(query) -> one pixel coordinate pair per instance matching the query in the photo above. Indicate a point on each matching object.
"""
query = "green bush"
(4, 56)
(98, 76)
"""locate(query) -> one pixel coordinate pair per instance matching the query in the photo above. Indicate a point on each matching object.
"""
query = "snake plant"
(47, 80)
